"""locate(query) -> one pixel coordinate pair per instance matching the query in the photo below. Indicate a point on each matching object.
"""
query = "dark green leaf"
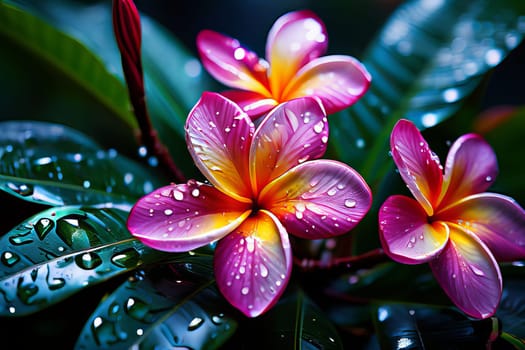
(425, 61)
(163, 308)
(174, 78)
(60, 251)
(512, 306)
(56, 165)
(296, 323)
(66, 55)
(422, 327)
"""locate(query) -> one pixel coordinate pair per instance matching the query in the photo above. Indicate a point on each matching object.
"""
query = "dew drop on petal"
(350, 203)
(178, 195)
(195, 193)
(245, 290)
(168, 212)
(264, 270)
(318, 128)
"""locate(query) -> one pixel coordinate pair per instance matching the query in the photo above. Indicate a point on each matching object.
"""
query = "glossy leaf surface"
(427, 59)
(420, 327)
(296, 322)
(163, 308)
(55, 165)
(61, 251)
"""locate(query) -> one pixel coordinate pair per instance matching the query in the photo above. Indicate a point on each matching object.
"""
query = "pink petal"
(471, 167)
(294, 40)
(178, 218)
(406, 235)
(339, 81)
(469, 274)
(495, 219)
(253, 103)
(231, 64)
(253, 264)
(418, 165)
(318, 199)
(290, 134)
(218, 134)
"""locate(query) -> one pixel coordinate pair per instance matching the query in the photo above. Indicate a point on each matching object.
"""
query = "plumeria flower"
(460, 230)
(293, 67)
(264, 184)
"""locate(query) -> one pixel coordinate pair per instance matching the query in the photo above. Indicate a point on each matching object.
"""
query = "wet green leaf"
(163, 308)
(401, 326)
(61, 251)
(56, 165)
(425, 62)
(296, 322)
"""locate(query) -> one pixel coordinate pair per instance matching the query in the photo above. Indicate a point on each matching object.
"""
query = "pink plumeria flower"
(452, 224)
(293, 67)
(264, 183)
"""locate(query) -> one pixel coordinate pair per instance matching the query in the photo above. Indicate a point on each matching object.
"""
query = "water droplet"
(9, 259)
(488, 178)
(21, 238)
(88, 261)
(264, 270)
(43, 227)
(245, 290)
(178, 195)
(217, 319)
(168, 212)
(250, 244)
(453, 275)
(21, 189)
(195, 193)
(105, 332)
(332, 191)
(195, 323)
(126, 258)
(318, 128)
(350, 203)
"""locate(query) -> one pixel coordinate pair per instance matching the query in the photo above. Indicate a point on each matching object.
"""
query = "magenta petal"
(495, 219)
(469, 274)
(318, 199)
(231, 64)
(218, 134)
(295, 39)
(253, 264)
(253, 103)
(418, 165)
(338, 81)
(290, 134)
(471, 167)
(406, 235)
(179, 218)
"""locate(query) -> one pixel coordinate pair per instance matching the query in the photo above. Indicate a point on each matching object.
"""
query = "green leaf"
(428, 58)
(60, 251)
(422, 327)
(295, 322)
(55, 165)
(174, 78)
(162, 308)
(66, 55)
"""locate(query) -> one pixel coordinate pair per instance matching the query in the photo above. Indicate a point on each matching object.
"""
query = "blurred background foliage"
(38, 56)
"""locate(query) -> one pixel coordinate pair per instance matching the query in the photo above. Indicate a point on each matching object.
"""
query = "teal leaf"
(166, 307)
(55, 165)
(427, 59)
(296, 322)
(60, 251)
(66, 55)
(401, 326)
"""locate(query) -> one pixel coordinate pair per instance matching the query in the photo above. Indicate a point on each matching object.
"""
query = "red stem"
(127, 28)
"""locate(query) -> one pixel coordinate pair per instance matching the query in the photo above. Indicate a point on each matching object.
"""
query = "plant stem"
(343, 264)
(127, 29)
